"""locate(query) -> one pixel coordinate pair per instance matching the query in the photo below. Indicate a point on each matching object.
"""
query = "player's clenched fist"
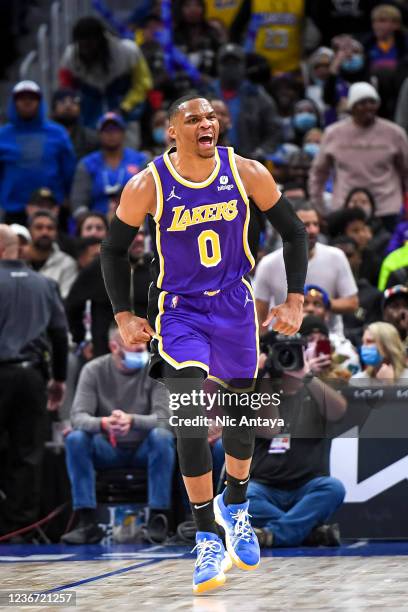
(132, 329)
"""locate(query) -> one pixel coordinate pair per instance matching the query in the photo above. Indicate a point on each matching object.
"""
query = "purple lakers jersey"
(201, 228)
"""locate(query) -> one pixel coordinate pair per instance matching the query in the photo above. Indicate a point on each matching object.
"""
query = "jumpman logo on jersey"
(247, 299)
(172, 194)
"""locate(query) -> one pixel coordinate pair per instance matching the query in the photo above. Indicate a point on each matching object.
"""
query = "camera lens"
(286, 358)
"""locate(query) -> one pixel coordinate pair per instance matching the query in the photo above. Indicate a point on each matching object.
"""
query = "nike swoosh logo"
(244, 481)
(203, 506)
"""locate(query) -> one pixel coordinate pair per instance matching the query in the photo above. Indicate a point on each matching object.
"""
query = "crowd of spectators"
(314, 89)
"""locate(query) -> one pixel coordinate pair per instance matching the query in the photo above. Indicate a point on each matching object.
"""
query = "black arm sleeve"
(115, 263)
(295, 242)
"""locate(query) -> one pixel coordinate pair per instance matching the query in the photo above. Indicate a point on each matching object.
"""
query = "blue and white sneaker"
(241, 541)
(212, 561)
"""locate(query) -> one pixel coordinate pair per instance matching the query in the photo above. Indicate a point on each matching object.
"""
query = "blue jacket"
(104, 178)
(33, 154)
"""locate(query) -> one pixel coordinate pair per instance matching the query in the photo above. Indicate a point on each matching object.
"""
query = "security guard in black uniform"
(32, 318)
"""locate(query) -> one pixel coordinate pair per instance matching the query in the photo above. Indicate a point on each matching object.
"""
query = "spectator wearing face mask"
(157, 138)
(395, 310)
(318, 73)
(311, 142)
(305, 117)
(383, 355)
(104, 172)
(347, 67)
(120, 419)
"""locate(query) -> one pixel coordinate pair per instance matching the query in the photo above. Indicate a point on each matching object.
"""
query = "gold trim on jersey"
(192, 184)
(157, 217)
(176, 364)
(241, 188)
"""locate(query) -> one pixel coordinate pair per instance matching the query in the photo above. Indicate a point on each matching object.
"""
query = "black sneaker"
(324, 535)
(157, 529)
(84, 534)
(265, 537)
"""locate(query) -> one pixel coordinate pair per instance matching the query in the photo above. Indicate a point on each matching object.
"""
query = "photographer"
(291, 495)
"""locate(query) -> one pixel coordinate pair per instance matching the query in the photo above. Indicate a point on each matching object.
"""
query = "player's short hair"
(174, 107)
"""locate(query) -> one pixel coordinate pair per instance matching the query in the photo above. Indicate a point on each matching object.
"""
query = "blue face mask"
(370, 355)
(159, 135)
(135, 361)
(304, 121)
(311, 148)
(354, 64)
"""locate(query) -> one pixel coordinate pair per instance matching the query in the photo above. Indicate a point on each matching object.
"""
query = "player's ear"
(171, 131)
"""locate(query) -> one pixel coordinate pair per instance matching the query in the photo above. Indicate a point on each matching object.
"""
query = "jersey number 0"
(211, 239)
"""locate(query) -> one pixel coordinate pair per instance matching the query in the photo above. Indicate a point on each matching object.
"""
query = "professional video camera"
(284, 353)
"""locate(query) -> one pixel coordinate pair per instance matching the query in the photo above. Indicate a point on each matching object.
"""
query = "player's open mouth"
(206, 140)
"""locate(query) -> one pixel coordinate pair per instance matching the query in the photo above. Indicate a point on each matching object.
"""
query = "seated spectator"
(352, 222)
(387, 44)
(369, 298)
(34, 153)
(318, 72)
(395, 265)
(395, 310)
(87, 250)
(317, 306)
(44, 254)
(66, 110)
(198, 39)
(157, 138)
(311, 142)
(92, 224)
(44, 199)
(347, 67)
(24, 238)
(280, 162)
(255, 130)
(103, 173)
(273, 31)
(298, 169)
(328, 268)
(386, 50)
(360, 197)
(383, 355)
(290, 498)
(89, 285)
(286, 91)
(224, 120)
(119, 419)
(109, 72)
(305, 117)
(380, 159)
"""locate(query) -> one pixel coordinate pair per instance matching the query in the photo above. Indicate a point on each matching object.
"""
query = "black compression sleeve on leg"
(115, 263)
(295, 242)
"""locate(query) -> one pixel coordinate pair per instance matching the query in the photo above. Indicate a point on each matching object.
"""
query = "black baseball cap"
(44, 194)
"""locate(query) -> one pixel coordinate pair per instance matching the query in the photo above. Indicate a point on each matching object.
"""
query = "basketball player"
(201, 315)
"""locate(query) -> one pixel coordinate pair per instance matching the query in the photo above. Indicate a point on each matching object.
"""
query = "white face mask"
(135, 361)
